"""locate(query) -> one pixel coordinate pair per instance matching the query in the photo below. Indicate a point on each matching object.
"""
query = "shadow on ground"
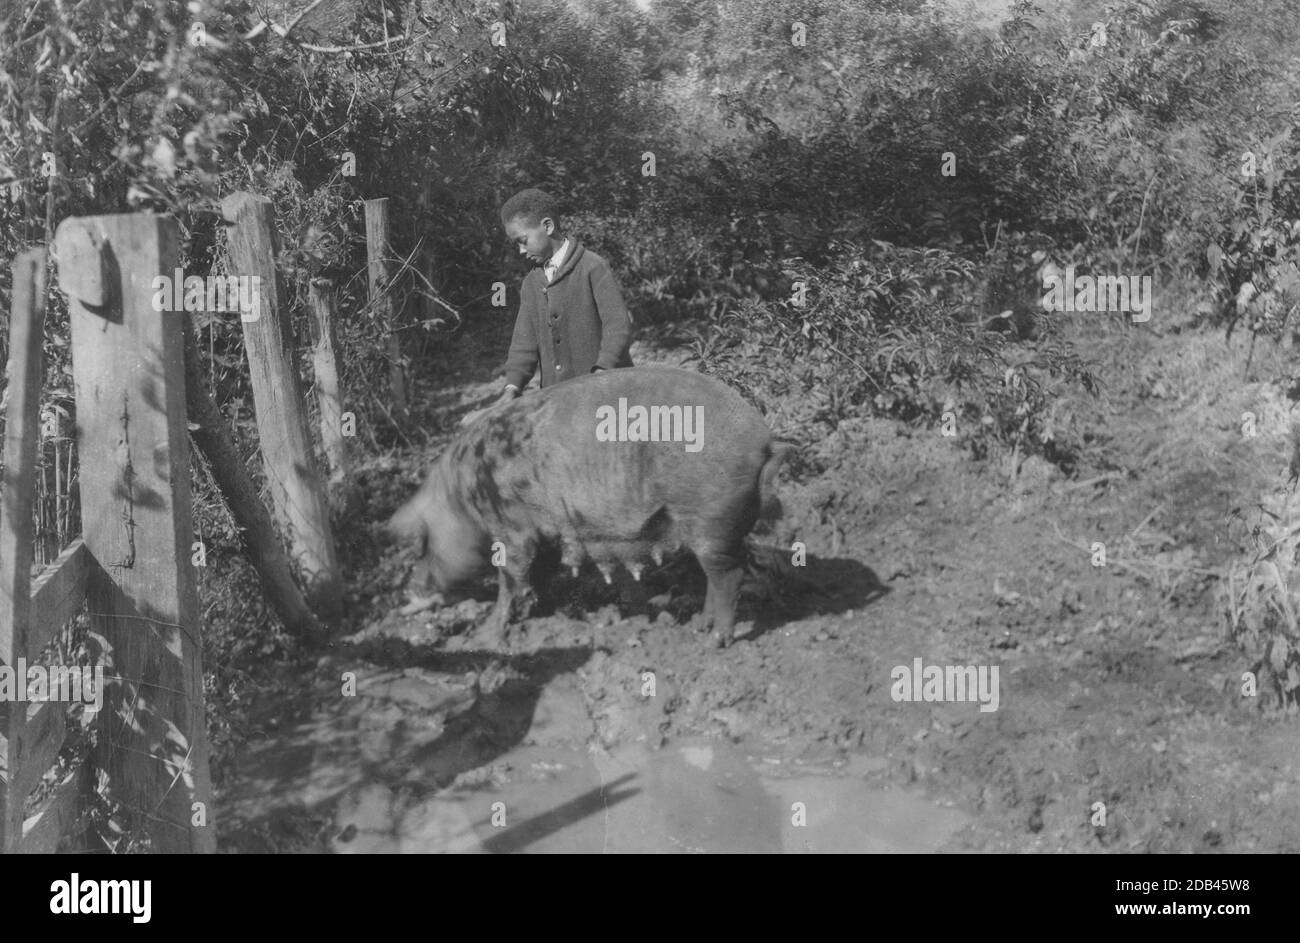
(384, 712)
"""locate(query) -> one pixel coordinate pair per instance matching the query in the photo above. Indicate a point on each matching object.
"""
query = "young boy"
(572, 319)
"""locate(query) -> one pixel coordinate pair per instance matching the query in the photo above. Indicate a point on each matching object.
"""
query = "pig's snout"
(406, 523)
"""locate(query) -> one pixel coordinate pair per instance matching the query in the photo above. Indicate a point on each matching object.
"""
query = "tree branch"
(284, 31)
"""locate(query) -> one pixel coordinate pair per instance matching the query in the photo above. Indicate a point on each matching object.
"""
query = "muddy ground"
(1118, 684)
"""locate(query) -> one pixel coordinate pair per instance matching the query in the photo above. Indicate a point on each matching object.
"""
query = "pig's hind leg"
(719, 545)
(725, 574)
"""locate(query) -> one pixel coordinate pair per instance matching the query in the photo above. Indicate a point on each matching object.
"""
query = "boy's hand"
(509, 393)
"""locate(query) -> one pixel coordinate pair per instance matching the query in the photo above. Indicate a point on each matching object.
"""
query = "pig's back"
(614, 487)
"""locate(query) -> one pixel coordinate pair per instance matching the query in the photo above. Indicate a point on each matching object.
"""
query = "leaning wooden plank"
(22, 423)
(57, 595)
(257, 535)
(40, 741)
(56, 815)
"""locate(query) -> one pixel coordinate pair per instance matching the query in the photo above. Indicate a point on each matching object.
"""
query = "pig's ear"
(406, 523)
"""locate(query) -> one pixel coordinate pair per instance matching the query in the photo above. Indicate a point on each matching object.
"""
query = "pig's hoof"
(720, 639)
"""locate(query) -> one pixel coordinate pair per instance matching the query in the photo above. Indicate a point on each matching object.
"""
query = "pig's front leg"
(515, 598)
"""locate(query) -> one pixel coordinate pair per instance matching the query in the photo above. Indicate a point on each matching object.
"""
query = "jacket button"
(558, 368)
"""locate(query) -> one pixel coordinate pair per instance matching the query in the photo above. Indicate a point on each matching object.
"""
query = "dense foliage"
(847, 196)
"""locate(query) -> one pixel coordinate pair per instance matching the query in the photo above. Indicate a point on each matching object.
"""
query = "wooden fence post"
(291, 470)
(325, 366)
(129, 375)
(26, 333)
(378, 252)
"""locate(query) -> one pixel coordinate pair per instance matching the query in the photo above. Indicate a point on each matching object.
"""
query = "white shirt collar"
(553, 265)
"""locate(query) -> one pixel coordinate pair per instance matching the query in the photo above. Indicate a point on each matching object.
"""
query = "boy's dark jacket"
(575, 323)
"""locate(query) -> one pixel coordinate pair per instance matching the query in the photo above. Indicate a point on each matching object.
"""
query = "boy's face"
(535, 240)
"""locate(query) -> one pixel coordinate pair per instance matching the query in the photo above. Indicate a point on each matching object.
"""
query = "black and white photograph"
(651, 427)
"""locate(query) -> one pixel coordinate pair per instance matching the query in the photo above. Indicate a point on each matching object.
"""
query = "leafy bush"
(1261, 597)
(878, 331)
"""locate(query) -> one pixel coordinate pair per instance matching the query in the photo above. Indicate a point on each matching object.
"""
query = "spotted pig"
(617, 467)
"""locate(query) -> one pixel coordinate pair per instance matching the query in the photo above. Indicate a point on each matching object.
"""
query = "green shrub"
(880, 331)
(1260, 599)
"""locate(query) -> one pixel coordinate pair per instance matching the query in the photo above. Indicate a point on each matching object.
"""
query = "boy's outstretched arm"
(615, 321)
(521, 362)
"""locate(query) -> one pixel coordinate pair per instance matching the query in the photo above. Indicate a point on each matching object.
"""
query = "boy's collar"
(570, 259)
(566, 246)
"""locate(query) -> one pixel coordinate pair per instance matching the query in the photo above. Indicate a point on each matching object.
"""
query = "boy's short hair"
(532, 204)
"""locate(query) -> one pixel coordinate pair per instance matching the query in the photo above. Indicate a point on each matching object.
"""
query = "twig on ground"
(1074, 486)
(1136, 568)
